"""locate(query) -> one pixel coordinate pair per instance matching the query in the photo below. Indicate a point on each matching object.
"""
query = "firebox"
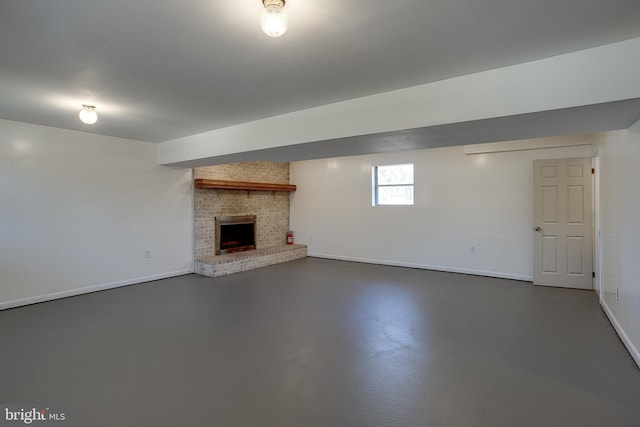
(235, 233)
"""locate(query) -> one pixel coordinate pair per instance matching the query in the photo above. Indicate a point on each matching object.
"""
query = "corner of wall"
(619, 155)
(273, 210)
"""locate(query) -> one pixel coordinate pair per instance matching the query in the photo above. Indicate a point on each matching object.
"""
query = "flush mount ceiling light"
(88, 114)
(274, 18)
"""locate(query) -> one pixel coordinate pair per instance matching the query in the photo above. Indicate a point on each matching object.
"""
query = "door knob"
(538, 229)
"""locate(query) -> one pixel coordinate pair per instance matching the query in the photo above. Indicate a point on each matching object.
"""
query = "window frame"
(376, 185)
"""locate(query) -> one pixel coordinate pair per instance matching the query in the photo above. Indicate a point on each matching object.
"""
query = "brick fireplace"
(270, 208)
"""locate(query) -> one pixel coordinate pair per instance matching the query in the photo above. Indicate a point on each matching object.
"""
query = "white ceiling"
(162, 69)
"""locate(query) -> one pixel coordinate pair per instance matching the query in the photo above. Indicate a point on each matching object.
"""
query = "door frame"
(597, 226)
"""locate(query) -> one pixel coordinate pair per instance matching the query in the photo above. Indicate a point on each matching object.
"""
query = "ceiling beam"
(602, 76)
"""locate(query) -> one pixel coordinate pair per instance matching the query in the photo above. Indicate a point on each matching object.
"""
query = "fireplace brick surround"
(270, 207)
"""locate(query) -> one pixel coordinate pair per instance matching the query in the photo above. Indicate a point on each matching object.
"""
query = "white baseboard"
(73, 292)
(623, 335)
(500, 275)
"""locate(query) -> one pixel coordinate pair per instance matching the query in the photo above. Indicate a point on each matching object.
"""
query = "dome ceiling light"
(274, 18)
(88, 114)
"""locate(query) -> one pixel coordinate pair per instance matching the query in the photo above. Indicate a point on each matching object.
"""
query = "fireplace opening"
(235, 234)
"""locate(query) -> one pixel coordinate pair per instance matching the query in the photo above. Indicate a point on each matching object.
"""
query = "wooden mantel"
(243, 185)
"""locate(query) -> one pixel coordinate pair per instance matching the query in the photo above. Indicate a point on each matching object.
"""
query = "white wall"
(78, 212)
(483, 200)
(620, 222)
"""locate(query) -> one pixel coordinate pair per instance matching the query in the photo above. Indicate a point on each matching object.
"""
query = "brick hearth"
(214, 266)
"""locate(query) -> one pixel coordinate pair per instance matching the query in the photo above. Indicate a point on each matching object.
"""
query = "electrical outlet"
(311, 240)
(147, 254)
(617, 294)
(473, 250)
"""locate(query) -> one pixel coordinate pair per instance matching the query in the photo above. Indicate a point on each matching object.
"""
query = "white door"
(563, 225)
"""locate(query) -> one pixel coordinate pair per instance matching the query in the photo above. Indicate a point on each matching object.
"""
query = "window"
(393, 185)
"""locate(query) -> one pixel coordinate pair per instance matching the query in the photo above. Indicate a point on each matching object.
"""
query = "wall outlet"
(617, 294)
(473, 250)
(147, 254)
(311, 240)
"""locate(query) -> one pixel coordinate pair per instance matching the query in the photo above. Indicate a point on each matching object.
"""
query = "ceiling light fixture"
(274, 18)
(88, 114)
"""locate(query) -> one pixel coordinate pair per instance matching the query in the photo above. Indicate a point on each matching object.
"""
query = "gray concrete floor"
(322, 343)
